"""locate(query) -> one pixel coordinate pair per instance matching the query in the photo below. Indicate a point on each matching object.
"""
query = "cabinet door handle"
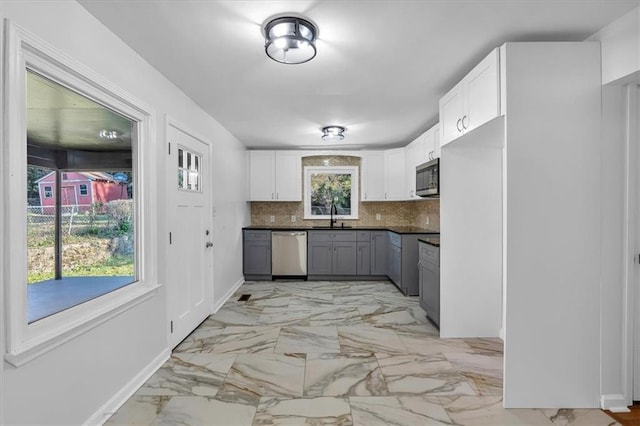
(465, 118)
(277, 196)
(458, 123)
(272, 196)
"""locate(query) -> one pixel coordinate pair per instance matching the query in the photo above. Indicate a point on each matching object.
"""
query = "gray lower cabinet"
(256, 247)
(379, 250)
(319, 257)
(364, 258)
(429, 278)
(402, 261)
(344, 258)
(331, 252)
(395, 265)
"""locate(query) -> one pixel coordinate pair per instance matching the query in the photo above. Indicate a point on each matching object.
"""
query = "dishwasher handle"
(293, 234)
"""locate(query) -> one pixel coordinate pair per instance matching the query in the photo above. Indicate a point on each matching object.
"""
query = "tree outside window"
(326, 187)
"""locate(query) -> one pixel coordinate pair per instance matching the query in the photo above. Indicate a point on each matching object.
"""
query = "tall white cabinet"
(520, 222)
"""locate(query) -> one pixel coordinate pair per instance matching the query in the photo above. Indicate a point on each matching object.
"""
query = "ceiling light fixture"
(108, 134)
(290, 40)
(333, 133)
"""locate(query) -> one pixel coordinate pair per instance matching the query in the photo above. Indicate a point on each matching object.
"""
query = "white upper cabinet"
(288, 176)
(451, 113)
(395, 172)
(472, 102)
(435, 131)
(383, 175)
(262, 174)
(414, 152)
(372, 175)
(275, 176)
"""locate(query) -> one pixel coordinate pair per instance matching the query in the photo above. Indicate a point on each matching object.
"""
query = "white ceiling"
(380, 69)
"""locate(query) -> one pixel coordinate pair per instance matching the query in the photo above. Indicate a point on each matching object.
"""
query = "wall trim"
(631, 242)
(631, 348)
(218, 304)
(110, 407)
(22, 50)
(102, 314)
(616, 403)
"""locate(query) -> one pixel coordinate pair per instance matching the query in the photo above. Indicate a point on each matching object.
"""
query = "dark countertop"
(396, 229)
(434, 241)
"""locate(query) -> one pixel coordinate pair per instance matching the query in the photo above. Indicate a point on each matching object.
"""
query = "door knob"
(209, 244)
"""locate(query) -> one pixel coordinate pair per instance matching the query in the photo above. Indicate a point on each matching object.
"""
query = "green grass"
(116, 266)
(41, 236)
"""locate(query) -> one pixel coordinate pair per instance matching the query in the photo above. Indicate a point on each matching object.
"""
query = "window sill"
(67, 325)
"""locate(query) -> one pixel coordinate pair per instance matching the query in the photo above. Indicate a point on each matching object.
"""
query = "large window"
(328, 189)
(77, 250)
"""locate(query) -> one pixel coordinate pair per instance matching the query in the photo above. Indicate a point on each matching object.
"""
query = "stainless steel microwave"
(428, 179)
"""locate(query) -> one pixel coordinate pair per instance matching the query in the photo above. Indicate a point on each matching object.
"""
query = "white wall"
(613, 259)
(620, 48)
(230, 213)
(471, 233)
(70, 383)
(553, 225)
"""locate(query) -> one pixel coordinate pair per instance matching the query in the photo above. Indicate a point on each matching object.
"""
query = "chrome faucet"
(334, 210)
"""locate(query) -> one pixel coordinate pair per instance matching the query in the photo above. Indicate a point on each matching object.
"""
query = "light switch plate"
(272, 218)
(378, 216)
(293, 218)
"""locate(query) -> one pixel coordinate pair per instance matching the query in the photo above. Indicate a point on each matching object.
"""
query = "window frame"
(25, 342)
(48, 193)
(86, 189)
(352, 170)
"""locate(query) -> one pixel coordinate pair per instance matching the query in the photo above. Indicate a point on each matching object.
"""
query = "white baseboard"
(616, 403)
(218, 304)
(118, 400)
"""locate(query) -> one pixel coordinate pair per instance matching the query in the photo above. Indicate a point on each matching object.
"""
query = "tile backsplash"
(421, 213)
(392, 213)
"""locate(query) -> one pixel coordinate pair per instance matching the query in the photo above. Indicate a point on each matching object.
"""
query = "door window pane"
(189, 173)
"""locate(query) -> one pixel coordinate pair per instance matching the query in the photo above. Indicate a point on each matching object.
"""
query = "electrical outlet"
(272, 218)
(427, 220)
(293, 218)
(378, 216)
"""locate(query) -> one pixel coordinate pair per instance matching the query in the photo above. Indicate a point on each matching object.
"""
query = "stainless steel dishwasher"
(289, 253)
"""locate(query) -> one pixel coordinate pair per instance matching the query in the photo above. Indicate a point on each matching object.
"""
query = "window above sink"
(327, 186)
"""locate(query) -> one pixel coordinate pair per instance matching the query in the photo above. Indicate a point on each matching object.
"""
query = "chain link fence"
(79, 219)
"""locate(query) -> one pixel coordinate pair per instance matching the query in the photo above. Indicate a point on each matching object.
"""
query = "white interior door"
(190, 253)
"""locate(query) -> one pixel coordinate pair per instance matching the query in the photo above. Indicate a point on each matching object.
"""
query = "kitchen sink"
(329, 227)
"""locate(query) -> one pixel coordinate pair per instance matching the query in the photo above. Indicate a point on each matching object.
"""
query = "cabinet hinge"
(171, 327)
(170, 238)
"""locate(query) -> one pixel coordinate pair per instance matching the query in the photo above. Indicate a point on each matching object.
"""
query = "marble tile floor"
(330, 353)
